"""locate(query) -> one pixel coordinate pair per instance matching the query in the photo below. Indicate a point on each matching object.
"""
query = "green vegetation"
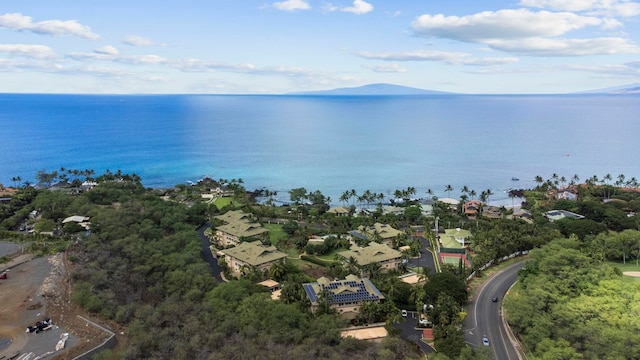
(571, 303)
(140, 264)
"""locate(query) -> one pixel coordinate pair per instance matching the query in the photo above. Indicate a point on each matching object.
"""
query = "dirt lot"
(35, 290)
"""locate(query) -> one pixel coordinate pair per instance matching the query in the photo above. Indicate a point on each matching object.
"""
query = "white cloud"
(108, 54)
(448, 57)
(359, 7)
(566, 47)
(135, 40)
(623, 8)
(31, 51)
(292, 5)
(108, 50)
(387, 68)
(17, 21)
(502, 24)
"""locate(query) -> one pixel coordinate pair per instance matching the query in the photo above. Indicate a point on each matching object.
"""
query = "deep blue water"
(326, 143)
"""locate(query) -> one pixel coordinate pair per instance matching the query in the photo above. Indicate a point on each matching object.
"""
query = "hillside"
(624, 89)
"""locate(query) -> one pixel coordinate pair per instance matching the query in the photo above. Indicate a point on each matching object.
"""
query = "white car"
(485, 341)
(404, 313)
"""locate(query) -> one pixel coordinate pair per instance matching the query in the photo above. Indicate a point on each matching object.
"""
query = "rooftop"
(350, 290)
(254, 253)
(373, 253)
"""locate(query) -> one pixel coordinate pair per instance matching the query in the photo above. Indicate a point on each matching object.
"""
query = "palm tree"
(448, 189)
(473, 194)
(345, 197)
(465, 190)
(430, 193)
(539, 180)
(489, 193)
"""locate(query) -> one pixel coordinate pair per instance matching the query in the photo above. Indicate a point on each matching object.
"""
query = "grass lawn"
(275, 232)
(629, 266)
(222, 202)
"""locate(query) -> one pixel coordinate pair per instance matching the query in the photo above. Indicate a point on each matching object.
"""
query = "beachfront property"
(339, 211)
(345, 296)
(492, 212)
(451, 203)
(251, 255)
(471, 207)
(374, 253)
(554, 215)
(382, 233)
(237, 226)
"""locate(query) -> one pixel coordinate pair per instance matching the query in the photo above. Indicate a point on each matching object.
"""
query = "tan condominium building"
(251, 255)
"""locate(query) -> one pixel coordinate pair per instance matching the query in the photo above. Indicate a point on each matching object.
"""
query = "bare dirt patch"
(632, 273)
(39, 289)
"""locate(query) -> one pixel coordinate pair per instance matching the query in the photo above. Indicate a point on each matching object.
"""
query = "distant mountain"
(624, 89)
(374, 89)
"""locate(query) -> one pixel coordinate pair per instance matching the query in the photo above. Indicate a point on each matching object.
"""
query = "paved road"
(206, 253)
(485, 318)
(426, 256)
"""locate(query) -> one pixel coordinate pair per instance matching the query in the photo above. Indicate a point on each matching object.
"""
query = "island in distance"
(374, 89)
(394, 90)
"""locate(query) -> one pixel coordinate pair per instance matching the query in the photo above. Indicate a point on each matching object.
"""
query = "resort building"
(387, 257)
(455, 238)
(382, 233)
(346, 296)
(251, 255)
(238, 226)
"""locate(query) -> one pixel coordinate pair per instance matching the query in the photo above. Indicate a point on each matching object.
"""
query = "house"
(238, 226)
(492, 212)
(387, 257)
(566, 195)
(378, 232)
(554, 215)
(394, 210)
(274, 287)
(471, 208)
(80, 220)
(339, 211)
(523, 214)
(345, 296)
(251, 254)
(451, 203)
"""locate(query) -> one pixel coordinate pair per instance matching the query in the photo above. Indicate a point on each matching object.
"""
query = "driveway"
(408, 331)
(216, 270)
(426, 256)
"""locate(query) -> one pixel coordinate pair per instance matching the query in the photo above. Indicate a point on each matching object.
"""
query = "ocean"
(326, 143)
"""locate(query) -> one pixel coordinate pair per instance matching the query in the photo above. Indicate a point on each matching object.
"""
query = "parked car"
(404, 313)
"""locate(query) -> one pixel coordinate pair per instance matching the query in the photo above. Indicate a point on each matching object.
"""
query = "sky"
(278, 47)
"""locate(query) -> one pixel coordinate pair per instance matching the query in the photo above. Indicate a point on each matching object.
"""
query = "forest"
(140, 264)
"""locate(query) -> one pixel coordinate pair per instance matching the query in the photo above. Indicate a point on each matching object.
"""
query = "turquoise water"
(326, 143)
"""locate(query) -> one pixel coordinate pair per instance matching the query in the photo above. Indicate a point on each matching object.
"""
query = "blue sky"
(255, 47)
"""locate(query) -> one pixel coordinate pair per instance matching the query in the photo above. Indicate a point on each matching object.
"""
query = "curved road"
(485, 318)
(206, 253)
